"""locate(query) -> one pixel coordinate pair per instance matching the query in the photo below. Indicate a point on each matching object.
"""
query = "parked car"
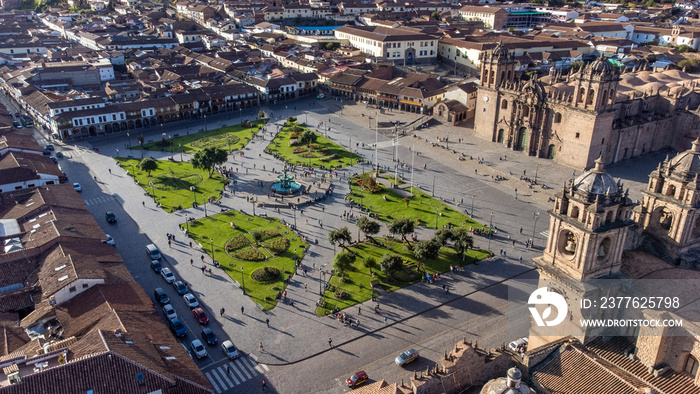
(46, 153)
(169, 312)
(178, 328)
(180, 287)
(16, 124)
(161, 296)
(406, 357)
(357, 379)
(111, 217)
(199, 350)
(229, 350)
(109, 240)
(153, 252)
(189, 299)
(156, 265)
(208, 336)
(59, 155)
(167, 275)
(77, 187)
(53, 159)
(522, 342)
(201, 317)
(50, 147)
(320, 96)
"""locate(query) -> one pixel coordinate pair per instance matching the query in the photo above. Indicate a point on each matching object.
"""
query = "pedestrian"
(202, 257)
(521, 230)
(110, 171)
(191, 261)
(242, 310)
(204, 269)
(305, 287)
(170, 244)
(264, 386)
(267, 321)
(143, 203)
(384, 319)
(261, 347)
(330, 342)
(222, 311)
(228, 370)
(359, 310)
(190, 244)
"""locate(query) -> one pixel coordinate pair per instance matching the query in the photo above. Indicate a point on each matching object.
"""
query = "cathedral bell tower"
(497, 66)
(588, 226)
(670, 211)
(596, 86)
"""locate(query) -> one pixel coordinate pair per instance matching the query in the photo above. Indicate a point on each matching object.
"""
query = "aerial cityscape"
(383, 197)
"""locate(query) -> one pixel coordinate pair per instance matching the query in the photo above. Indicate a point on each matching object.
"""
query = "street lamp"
(536, 216)
(536, 170)
(171, 146)
(212, 250)
(229, 142)
(490, 231)
(294, 209)
(242, 281)
(187, 223)
(117, 152)
(128, 136)
(153, 190)
(436, 217)
(473, 205)
(253, 208)
(205, 204)
(180, 146)
(240, 114)
(433, 186)
(194, 194)
(205, 122)
(320, 282)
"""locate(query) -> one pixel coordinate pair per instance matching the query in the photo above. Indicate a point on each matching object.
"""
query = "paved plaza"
(295, 334)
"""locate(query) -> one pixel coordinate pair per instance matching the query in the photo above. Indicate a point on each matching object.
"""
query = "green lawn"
(171, 183)
(322, 153)
(237, 135)
(357, 283)
(421, 207)
(280, 248)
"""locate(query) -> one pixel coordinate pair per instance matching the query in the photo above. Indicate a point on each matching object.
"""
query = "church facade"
(595, 112)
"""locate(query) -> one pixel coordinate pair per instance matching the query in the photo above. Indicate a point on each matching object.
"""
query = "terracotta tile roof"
(613, 350)
(574, 370)
(382, 387)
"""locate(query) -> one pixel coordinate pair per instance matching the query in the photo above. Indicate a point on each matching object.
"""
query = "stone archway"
(410, 54)
(500, 136)
(552, 152)
(662, 220)
(523, 140)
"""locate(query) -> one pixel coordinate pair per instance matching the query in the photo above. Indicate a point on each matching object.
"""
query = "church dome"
(510, 384)
(687, 164)
(596, 181)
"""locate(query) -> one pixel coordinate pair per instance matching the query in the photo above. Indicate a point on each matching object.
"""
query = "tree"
(343, 262)
(689, 65)
(402, 227)
(261, 114)
(649, 3)
(435, 15)
(340, 236)
(368, 227)
(425, 250)
(148, 164)
(442, 236)
(208, 159)
(308, 137)
(462, 241)
(391, 263)
(370, 262)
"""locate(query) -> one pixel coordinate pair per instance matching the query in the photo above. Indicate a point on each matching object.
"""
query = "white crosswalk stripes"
(545, 233)
(99, 200)
(230, 374)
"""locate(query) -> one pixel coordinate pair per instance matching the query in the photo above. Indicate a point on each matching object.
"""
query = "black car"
(178, 328)
(111, 218)
(46, 153)
(208, 336)
(161, 296)
(59, 154)
(50, 147)
(156, 265)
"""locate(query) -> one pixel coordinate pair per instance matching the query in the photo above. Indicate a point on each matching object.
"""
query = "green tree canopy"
(340, 236)
(343, 262)
(208, 159)
(148, 164)
(368, 227)
(391, 263)
(402, 227)
(308, 137)
(462, 240)
(425, 250)
(442, 235)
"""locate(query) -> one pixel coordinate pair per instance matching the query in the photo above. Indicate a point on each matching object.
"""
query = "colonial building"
(403, 44)
(594, 112)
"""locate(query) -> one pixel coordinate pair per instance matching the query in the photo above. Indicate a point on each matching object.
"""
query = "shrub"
(340, 294)
(276, 245)
(265, 274)
(248, 254)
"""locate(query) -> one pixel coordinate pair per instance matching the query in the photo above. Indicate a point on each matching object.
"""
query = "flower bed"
(236, 242)
(276, 245)
(249, 253)
(267, 234)
(265, 274)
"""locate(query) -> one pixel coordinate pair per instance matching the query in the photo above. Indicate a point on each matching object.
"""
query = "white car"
(199, 350)
(167, 275)
(229, 350)
(77, 187)
(190, 300)
(169, 312)
(522, 342)
(109, 240)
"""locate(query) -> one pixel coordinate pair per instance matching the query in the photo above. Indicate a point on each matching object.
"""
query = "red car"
(357, 379)
(200, 315)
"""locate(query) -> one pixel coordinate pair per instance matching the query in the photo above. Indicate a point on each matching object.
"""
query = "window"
(85, 285)
(72, 289)
(578, 135)
(557, 117)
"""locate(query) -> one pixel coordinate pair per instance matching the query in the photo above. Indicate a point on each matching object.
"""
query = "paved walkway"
(296, 333)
